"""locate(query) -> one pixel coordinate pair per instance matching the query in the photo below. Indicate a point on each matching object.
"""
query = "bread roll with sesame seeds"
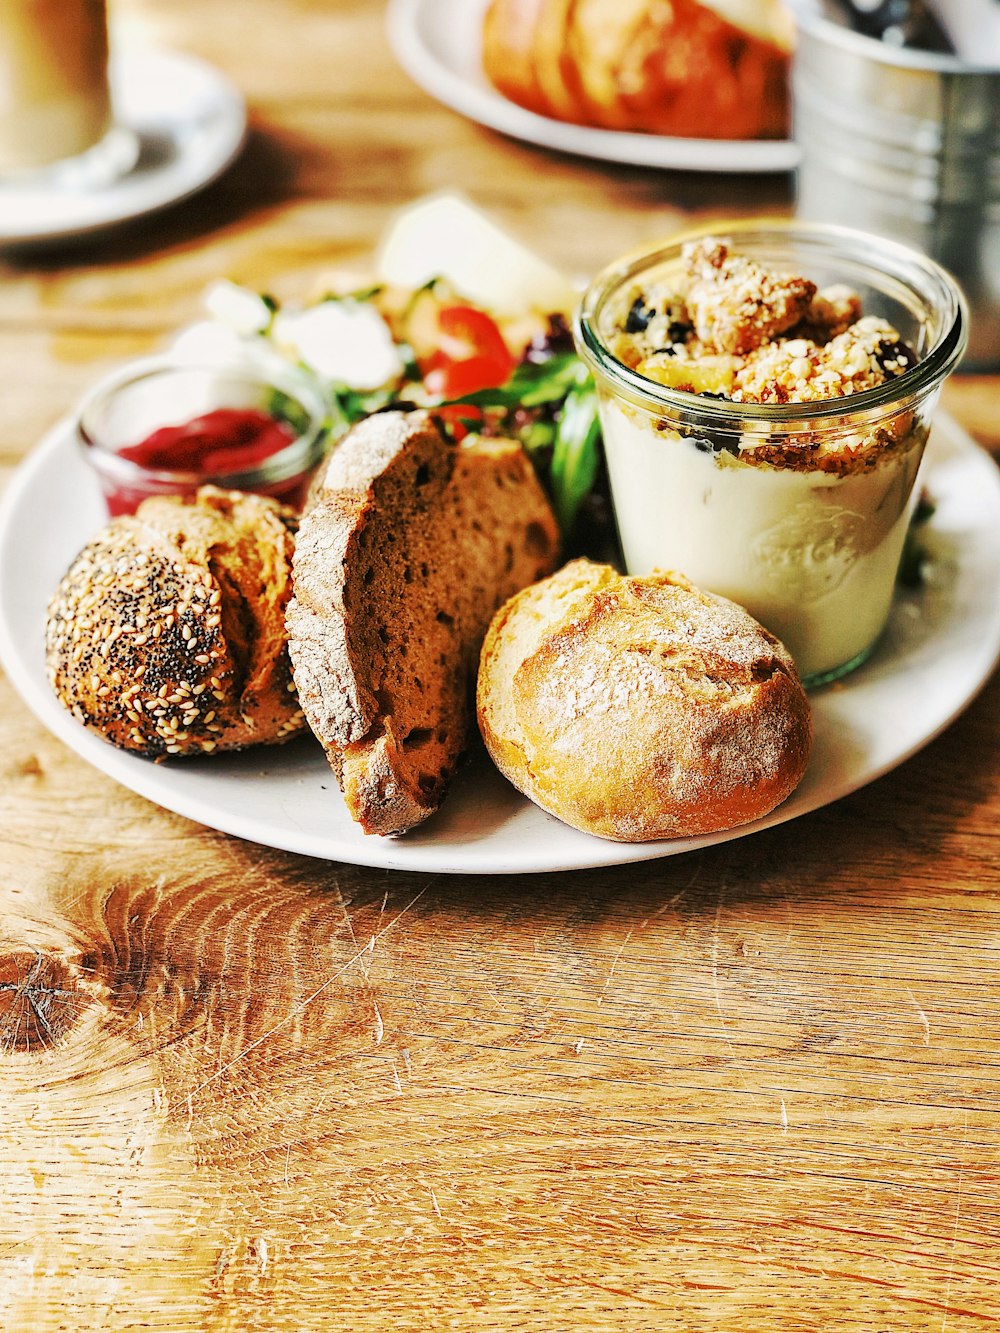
(640, 708)
(166, 636)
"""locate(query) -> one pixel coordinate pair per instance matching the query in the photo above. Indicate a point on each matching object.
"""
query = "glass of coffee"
(56, 116)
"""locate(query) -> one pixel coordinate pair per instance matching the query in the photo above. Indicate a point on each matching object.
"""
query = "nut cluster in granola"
(735, 329)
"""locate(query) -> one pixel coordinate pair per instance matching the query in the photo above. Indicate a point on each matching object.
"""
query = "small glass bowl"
(144, 396)
(809, 548)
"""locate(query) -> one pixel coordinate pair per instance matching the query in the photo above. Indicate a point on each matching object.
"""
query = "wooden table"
(751, 1088)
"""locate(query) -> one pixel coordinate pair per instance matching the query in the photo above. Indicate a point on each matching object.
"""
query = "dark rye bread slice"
(410, 545)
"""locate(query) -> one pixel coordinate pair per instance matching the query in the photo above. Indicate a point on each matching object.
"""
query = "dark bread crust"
(640, 708)
(410, 544)
(166, 635)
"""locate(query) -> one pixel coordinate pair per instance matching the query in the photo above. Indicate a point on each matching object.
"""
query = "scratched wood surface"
(753, 1088)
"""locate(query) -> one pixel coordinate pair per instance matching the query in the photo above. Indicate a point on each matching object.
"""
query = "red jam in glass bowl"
(161, 427)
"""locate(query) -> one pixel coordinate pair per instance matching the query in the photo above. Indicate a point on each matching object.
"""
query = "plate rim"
(127, 63)
(478, 102)
(138, 775)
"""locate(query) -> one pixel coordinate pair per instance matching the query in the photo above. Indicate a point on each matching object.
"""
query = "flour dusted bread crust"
(166, 635)
(701, 68)
(640, 708)
(408, 546)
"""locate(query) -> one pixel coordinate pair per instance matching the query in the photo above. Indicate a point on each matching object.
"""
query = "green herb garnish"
(551, 407)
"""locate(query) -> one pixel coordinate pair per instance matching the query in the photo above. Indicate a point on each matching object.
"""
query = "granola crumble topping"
(731, 328)
(736, 304)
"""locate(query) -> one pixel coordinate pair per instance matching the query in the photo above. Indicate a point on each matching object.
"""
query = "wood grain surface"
(750, 1088)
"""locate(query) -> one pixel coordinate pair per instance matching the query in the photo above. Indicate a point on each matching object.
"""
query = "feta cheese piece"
(344, 341)
(239, 308)
(445, 237)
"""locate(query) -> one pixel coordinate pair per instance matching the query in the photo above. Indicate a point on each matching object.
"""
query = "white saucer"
(439, 44)
(941, 645)
(190, 122)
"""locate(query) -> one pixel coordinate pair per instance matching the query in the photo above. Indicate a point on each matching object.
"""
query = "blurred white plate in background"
(439, 44)
(190, 122)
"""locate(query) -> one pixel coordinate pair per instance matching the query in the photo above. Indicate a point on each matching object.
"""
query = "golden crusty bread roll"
(714, 69)
(166, 636)
(640, 708)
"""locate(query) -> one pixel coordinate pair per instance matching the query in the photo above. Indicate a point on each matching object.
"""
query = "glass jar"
(129, 423)
(796, 510)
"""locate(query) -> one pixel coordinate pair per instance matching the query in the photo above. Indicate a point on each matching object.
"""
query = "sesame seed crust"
(166, 634)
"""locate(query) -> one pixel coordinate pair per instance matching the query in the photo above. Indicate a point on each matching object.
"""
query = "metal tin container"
(905, 143)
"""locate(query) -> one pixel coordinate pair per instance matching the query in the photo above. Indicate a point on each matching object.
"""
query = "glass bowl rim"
(300, 454)
(860, 246)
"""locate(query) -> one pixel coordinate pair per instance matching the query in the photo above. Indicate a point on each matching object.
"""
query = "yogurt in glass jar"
(765, 397)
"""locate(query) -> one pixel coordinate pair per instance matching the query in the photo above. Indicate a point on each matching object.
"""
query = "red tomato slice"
(454, 379)
(460, 418)
(466, 332)
(471, 353)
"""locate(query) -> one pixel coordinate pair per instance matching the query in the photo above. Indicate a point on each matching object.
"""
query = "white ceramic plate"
(940, 647)
(439, 44)
(190, 123)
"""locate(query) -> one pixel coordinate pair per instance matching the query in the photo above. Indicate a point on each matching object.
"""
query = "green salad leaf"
(550, 405)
